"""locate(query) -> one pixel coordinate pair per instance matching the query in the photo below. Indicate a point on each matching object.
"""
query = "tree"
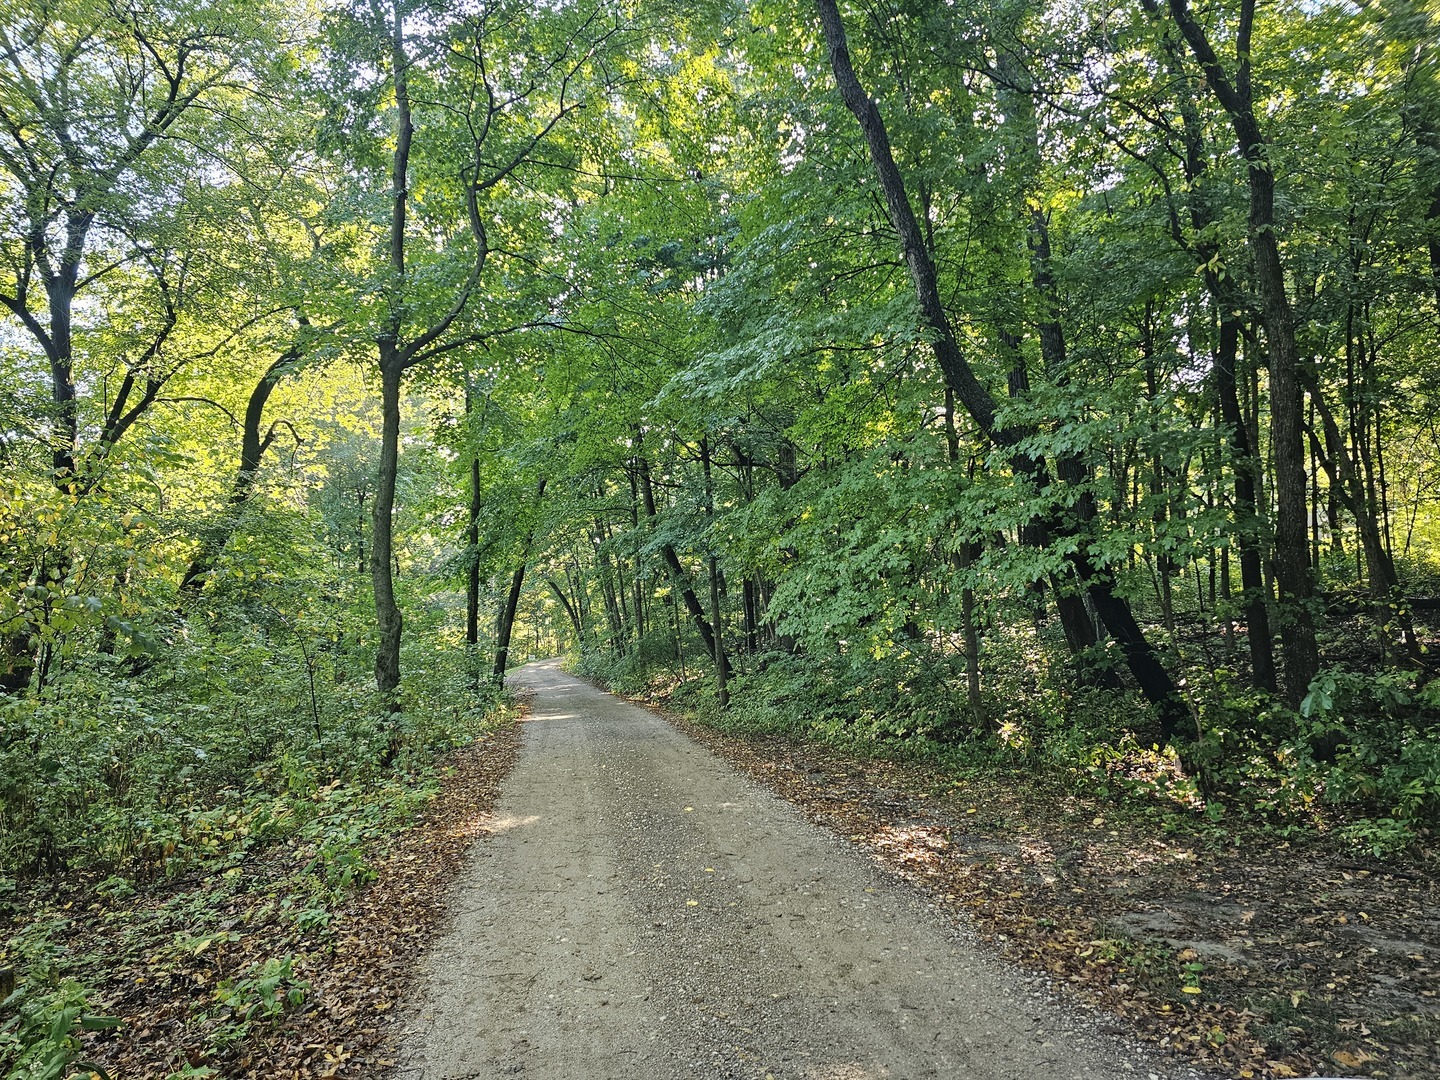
(103, 106)
(1155, 682)
(1234, 90)
(482, 105)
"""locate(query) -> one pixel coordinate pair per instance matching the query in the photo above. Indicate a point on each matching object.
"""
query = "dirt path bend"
(643, 912)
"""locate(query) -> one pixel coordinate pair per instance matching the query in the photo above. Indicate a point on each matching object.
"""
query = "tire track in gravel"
(641, 911)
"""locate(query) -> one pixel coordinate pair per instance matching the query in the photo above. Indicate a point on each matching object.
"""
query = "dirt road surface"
(640, 911)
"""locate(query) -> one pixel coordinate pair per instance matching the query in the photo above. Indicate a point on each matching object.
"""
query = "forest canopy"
(1052, 384)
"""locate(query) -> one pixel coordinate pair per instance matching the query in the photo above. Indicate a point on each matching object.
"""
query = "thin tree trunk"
(252, 448)
(1384, 581)
(1154, 681)
(569, 609)
(612, 608)
(722, 662)
(750, 592)
(1299, 648)
(1252, 574)
(472, 559)
(637, 584)
(472, 542)
(1244, 424)
(679, 578)
(392, 368)
(1079, 627)
(722, 666)
(506, 623)
(65, 423)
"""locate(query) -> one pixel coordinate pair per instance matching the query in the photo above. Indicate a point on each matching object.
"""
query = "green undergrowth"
(1360, 758)
(151, 822)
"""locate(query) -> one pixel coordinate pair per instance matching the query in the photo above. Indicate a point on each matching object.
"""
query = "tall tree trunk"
(579, 592)
(722, 662)
(1251, 530)
(751, 595)
(722, 666)
(964, 556)
(1071, 468)
(607, 591)
(1432, 219)
(472, 540)
(472, 559)
(1299, 649)
(637, 582)
(678, 576)
(1253, 597)
(65, 424)
(392, 363)
(387, 612)
(506, 622)
(1154, 681)
(1387, 600)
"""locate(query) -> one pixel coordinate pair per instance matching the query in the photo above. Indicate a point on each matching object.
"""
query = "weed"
(266, 993)
(40, 1039)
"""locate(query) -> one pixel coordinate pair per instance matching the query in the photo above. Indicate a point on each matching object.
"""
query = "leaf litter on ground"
(222, 974)
(1252, 955)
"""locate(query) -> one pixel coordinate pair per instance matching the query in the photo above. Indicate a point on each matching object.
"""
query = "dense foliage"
(1059, 392)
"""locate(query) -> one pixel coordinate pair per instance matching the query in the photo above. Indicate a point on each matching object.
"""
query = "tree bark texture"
(506, 623)
(472, 561)
(388, 619)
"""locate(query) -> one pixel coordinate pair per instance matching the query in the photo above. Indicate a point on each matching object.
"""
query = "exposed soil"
(1257, 956)
(641, 911)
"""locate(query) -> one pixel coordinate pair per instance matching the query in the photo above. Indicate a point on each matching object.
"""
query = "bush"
(1374, 742)
(40, 1028)
(223, 746)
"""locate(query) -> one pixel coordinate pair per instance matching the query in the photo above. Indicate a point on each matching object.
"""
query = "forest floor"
(200, 969)
(1248, 953)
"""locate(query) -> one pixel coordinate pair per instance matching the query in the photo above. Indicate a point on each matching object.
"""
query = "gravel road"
(640, 911)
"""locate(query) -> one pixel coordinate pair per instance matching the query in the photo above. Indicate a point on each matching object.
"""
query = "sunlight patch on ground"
(505, 822)
(919, 847)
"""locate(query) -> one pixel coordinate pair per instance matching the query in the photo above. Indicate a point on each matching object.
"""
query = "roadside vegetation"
(180, 860)
(1040, 392)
